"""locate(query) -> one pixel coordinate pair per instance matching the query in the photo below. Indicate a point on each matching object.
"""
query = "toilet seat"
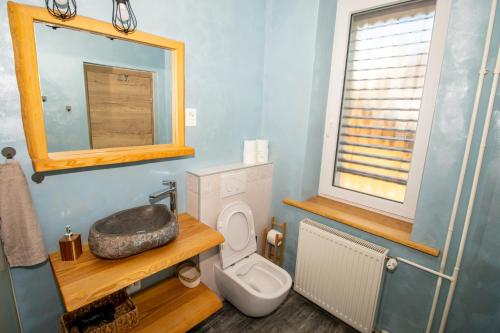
(236, 224)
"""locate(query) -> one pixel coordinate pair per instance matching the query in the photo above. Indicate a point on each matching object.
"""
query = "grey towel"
(19, 229)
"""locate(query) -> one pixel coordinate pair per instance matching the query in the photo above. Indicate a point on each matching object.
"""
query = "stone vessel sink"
(132, 231)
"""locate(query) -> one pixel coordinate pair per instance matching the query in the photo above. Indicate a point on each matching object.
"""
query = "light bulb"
(62, 3)
(122, 12)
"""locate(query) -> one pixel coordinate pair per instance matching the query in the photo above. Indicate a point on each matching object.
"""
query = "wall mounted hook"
(37, 177)
(9, 152)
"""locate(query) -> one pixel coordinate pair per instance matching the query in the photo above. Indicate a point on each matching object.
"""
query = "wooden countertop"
(90, 278)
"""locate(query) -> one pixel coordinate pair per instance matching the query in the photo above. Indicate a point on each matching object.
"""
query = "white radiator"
(341, 273)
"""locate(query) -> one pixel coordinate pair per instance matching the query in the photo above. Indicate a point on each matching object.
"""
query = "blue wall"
(299, 38)
(61, 54)
(224, 42)
(261, 68)
(8, 314)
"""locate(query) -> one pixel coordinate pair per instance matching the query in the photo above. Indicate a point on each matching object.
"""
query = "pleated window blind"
(384, 80)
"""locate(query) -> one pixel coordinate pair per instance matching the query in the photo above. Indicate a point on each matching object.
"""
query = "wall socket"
(133, 288)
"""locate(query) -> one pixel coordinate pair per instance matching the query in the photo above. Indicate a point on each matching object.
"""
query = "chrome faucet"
(171, 192)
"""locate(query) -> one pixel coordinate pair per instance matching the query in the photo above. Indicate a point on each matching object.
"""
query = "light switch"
(190, 117)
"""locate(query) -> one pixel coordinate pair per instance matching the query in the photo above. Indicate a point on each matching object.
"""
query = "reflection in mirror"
(99, 92)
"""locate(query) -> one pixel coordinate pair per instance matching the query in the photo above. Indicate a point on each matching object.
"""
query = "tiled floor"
(296, 314)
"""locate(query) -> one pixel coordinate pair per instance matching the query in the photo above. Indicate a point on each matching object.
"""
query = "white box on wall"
(233, 183)
(210, 190)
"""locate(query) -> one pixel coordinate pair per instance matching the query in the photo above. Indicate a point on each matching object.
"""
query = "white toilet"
(250, 282)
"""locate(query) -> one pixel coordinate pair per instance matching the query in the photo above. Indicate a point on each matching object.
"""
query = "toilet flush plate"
(232, 184)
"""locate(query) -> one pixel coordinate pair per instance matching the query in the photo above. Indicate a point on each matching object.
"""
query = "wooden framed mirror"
(91, 95)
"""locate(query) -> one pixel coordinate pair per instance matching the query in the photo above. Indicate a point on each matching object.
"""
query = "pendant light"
(123, 16)
(62, 9)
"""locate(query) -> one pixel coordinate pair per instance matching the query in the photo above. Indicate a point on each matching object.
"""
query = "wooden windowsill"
(377, 224)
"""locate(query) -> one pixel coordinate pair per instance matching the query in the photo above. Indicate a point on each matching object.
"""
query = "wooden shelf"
(377, 224)
(171, 307)
(90, 278)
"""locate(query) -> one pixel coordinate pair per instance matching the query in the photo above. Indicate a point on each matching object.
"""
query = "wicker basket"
(126, 315)
(187, 280)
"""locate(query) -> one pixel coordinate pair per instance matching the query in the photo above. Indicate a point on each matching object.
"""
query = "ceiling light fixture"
(123, 16)
(62, 9)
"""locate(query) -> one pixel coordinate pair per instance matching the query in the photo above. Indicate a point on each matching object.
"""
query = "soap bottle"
(70, 245)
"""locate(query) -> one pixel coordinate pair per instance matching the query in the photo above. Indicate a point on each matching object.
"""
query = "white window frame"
(345, 10)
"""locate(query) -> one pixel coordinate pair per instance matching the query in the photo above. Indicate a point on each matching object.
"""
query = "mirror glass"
(99, 92)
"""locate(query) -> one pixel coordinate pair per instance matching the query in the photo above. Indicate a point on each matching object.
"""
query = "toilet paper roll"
(249, 152)
(271, 237)
(262, 151)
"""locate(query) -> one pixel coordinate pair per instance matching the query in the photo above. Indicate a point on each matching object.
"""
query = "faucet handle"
(170, 183)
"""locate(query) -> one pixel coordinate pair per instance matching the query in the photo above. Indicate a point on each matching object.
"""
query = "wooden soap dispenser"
(70, 245)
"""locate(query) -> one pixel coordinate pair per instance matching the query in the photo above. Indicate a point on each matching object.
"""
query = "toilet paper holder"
(276, 251)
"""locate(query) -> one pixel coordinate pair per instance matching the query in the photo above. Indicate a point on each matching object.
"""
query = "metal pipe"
(470, 134)
(4, 266)
(472, 198)
(14, 298)
(414, 264)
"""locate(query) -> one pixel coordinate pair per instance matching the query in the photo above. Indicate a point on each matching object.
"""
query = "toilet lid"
(235, 222)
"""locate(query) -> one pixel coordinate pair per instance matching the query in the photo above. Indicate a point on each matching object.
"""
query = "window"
(385, 71)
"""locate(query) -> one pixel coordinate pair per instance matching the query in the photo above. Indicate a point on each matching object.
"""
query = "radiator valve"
(391, 264)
